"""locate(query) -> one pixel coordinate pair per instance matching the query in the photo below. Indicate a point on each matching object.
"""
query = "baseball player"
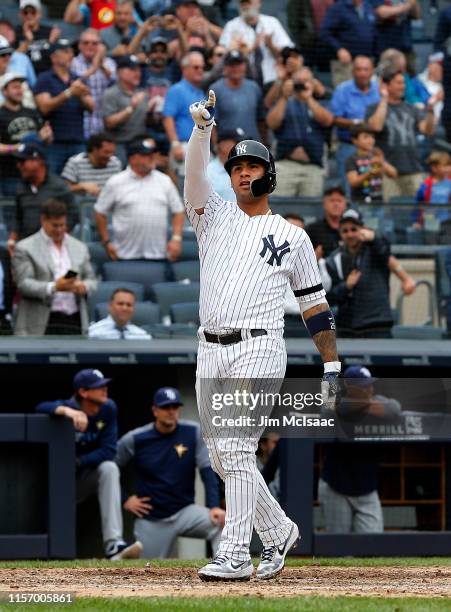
(94, 416)
(247, 257)
(164, 455)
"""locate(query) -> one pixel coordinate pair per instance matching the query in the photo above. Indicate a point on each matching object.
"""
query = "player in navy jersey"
(164, 455)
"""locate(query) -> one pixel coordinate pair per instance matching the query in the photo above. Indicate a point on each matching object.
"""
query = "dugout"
(33, 372)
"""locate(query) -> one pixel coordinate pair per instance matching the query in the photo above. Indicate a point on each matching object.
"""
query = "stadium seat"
(106, 288)
(190, 250)
(98, 256)
(147, 273)
(146, 313)
(185, 312)
(189, 269)
(174, 293)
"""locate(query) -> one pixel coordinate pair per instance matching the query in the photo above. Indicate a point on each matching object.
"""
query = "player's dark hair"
(294, 216)
(122, 290)
(53, 209)
(95, 141)
(389, 74)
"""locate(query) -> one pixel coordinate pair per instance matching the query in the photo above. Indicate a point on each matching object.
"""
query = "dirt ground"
(312, 580)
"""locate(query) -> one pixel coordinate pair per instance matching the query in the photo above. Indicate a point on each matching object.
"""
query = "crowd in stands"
(94, 123)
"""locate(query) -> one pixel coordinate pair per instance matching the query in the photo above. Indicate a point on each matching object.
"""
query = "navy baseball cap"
(147, 145)
(167, 396)
(234, 57)
(90, 379)
(158, 40)
(127, 61)
(358, 375)
(351, 215)
(236, 135)
(30, 150)
(61, 43)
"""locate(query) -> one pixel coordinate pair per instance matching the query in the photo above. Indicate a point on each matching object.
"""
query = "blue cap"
(90, 379)
(30, 150)
(358, 375)
(167, 396)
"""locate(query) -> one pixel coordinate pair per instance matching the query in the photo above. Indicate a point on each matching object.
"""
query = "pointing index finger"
(211, 98)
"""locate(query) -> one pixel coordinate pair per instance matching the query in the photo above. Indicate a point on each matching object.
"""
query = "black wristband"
(323, 321)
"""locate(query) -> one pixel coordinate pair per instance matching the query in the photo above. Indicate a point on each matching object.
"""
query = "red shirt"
(102, 13)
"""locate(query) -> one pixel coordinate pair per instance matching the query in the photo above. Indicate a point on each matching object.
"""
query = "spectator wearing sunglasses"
(98, 72)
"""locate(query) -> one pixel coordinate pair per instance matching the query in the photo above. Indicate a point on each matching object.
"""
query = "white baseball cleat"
(222, 568)
(272, 559)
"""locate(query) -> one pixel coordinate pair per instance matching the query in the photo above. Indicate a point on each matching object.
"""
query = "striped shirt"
(246, 262)
(107, 329)
(97, 83)
(79, 169)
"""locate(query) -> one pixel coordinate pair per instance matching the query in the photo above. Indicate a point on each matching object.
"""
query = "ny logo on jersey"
(277, 252)
(241, 149)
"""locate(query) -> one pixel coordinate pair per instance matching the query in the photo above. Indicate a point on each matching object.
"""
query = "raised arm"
(197, 185)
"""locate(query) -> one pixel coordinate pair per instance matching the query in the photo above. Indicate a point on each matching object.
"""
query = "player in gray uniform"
(247, 258)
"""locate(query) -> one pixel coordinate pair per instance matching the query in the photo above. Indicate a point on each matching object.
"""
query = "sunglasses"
(219, 54)
(89, 42)
(197, 67)
(29, 11)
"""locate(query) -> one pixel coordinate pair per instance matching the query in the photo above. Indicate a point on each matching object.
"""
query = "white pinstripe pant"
(248, 501)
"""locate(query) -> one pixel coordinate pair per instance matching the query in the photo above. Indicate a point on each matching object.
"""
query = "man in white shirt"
(54, 276)
(139, 200)
(117, 325)
(260, 36)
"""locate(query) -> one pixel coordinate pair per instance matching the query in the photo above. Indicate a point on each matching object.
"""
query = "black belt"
(233, 337)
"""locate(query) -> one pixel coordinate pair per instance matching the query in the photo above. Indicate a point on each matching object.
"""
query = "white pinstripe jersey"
(245, 266)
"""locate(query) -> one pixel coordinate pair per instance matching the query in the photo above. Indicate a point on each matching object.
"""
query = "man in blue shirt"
(177, 119)
(299, 122)
(164, 455)
(95, 421)
(62, 98)
(239, 100)
(348, 30)
(349, 104)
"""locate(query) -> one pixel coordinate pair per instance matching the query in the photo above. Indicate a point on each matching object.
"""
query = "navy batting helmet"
(252, 149)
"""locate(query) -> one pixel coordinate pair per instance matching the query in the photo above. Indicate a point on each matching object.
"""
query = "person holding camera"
(117, 37)
(299, 122)
(54, 275)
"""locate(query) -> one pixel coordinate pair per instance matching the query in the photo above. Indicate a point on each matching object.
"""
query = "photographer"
(118, 36)
(289, 62)
(299, 123)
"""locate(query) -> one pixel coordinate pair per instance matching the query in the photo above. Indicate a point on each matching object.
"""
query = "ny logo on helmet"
(241, 149)
(277, 252)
